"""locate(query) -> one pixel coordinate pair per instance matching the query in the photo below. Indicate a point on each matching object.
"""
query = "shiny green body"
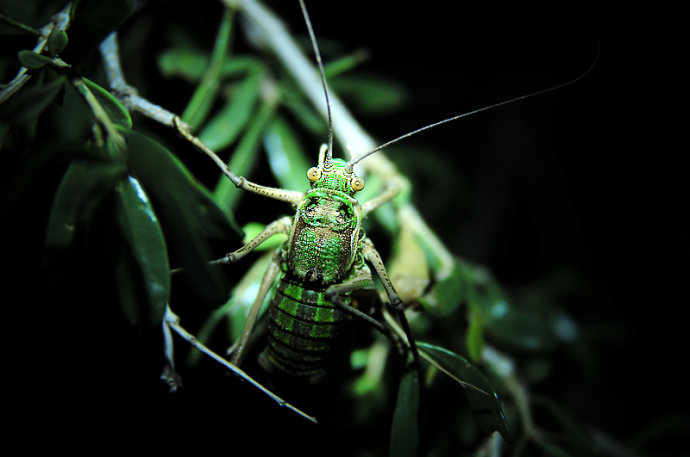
(322, 250)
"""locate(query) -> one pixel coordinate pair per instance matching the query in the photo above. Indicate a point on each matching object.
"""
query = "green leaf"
(475, 336)
(205, 94)
(370, 95)
(344, 64)
(237, 307)
(404, 428)
(523, 329)
(83, 186)
(141, 229)
(244, 295)
(252, 230)
(189, 215)
(117, 113)
(32, 60)
(480, 394)
(187, 63)
(410, 276)
(57, 41)
(448, 293)
(191, 64)
(103, 114)
(223, 128)
(305, 114)
(243, 160)
(286, 155)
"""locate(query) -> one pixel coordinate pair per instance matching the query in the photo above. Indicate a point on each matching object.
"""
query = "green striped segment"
(302, 325)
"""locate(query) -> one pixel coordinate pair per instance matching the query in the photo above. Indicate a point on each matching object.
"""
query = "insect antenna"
(329, 153)
(476, 111)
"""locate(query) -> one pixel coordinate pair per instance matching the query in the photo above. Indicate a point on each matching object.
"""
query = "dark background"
(580, 180)
(585, 179)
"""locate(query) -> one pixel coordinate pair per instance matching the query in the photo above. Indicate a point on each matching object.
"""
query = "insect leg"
(289, 196)
(282, 225)
(372, 256)
(270, 275)
(360, 280)
(380, 199)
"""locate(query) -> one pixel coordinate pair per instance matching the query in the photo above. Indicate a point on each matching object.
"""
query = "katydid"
(326, 256)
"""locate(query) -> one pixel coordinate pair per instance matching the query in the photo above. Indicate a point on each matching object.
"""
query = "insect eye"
(357, 183)
(313, 174)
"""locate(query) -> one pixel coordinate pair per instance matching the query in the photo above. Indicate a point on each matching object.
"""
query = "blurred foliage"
(107, 202)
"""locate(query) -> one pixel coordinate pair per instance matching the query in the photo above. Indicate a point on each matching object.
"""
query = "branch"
(266, 29)
(128, 96)
(172, 322)
(59, 21)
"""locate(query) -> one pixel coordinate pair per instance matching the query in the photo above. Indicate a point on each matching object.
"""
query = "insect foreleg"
(270, 275)
(289, 196)
(372, 256)
(282, 225)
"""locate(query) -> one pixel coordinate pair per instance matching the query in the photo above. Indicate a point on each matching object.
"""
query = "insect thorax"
(323, 242)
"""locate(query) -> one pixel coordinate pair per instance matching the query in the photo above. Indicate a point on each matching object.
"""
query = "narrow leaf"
(410, 276)
(305, 114)
(480, 394)
(286, 156)
(369, 94)
(190, 64)
(475, 336)
(102, 114)
(447, 294)
(82, 187)
(205, 93)
(189, 214)
(223, 128)
(117, 113)
(243, 159)
(344, 64)
(140, 227)
(187, 63)
(404, 429)
(518, 328)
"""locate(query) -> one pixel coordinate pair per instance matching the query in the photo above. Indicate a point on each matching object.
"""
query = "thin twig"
(127, 94)
(172, 322)
(60, 21)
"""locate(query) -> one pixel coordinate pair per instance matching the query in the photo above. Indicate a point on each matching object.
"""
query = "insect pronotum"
(326, 255)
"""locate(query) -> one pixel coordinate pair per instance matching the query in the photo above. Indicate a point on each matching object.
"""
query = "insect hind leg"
(372, 256)
(361, 279)
(270, 275)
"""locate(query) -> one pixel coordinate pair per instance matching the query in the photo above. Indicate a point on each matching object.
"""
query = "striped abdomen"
(301, 330)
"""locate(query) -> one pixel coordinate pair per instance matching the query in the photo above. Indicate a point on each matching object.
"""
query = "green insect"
(326, 257)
